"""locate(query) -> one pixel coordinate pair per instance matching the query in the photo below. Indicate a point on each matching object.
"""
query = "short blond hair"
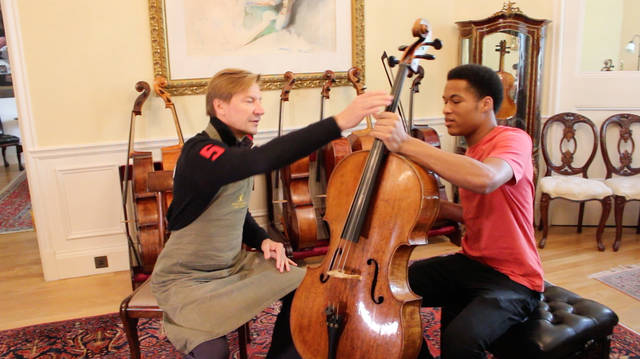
(227, 83)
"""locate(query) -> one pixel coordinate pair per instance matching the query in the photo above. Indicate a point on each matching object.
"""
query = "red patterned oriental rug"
(15, 206)
(103, 337)
(623, 278)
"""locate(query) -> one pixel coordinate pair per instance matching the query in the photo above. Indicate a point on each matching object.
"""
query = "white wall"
(596, 95)
(75, 65)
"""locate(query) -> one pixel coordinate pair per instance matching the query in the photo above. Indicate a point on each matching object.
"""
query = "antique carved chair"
(567, 184)
(8, 141)
(141, 303)
(626, 185)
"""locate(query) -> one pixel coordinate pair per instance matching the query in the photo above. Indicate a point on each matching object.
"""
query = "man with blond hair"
(205, 283)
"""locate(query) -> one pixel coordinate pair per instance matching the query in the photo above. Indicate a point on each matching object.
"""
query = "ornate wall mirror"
(512, 44)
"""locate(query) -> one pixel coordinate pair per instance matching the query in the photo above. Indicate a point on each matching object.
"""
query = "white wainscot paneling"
(85, 192)
(77, 207)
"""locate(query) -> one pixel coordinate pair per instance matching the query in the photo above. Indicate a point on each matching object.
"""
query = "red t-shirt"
(499, 225)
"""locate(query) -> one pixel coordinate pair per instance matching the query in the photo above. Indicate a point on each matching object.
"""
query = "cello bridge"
(342, 275)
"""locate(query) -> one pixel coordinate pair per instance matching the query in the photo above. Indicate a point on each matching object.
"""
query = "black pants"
(479, 304)
(281, 342)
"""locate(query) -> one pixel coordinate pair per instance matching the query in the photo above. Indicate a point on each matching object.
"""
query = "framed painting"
(192, 40)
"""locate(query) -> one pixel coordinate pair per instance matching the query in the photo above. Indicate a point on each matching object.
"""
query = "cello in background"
(359, 139)
(357, 302)
(337, 149)
(424, 133)
(508, 107)
(298, 214)
(428, 134)
(144, 90)
(170, 154)
(146, 214)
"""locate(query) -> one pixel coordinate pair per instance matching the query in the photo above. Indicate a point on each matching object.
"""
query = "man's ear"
(218, 106)
(486, 104)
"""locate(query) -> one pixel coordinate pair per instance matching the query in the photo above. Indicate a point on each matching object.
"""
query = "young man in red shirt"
(495, 281)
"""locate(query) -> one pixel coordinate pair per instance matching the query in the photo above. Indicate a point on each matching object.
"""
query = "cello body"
(150, 240)
(378, 305)
(301, 226)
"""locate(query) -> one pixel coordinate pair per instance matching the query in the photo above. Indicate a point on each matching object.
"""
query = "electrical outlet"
(101, 262)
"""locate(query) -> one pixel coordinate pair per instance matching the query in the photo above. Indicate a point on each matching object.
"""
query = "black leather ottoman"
(564, 325)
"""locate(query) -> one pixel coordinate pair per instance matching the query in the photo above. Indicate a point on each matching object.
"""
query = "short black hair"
(482, 80)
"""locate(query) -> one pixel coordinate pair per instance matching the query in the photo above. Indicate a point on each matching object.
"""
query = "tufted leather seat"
(564, 325)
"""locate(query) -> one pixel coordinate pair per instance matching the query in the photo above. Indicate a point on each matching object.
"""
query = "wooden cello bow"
(357, 302)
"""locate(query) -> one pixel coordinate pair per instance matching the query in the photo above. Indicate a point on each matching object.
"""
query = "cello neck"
(503, 50)
(330, 78)
(355, 77)
(159, 86)
(415, 88)
(177, 123)
(377, 155)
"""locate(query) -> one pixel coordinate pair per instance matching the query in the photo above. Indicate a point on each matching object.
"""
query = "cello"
(357, 302)
(146, 212)
(144, 89)
(508, 107)
(298, 213)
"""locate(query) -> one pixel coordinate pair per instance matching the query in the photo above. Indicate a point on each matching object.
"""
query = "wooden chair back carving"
(569, 120)
(625, 139)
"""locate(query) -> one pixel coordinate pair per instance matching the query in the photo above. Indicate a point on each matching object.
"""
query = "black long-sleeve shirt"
(206, 164)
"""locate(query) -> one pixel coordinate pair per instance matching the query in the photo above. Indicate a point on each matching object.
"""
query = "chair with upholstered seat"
(626, 185)
(141, 303)
(8, 141)
(567, 185)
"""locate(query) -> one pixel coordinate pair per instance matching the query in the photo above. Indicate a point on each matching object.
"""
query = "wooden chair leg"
(606, 209)
(638, 226)
(619, 209)
(544, 218)
(4, 158)
(18, 153)
(131, 330)
(580, 217)
(243, 340)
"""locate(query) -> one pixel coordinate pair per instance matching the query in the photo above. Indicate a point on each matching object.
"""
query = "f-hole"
(380, 299)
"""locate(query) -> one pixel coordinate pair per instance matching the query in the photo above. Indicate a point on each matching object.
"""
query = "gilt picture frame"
(191, 41)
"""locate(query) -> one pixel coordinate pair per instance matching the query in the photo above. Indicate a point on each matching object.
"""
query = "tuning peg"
(402, 47)
(393, 61)
(437, 44)
(426, 57)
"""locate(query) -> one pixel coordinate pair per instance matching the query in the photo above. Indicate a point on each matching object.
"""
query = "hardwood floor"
(25, 298)
(7, 174)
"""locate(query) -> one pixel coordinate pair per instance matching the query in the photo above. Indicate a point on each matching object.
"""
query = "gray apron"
(205, 283)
